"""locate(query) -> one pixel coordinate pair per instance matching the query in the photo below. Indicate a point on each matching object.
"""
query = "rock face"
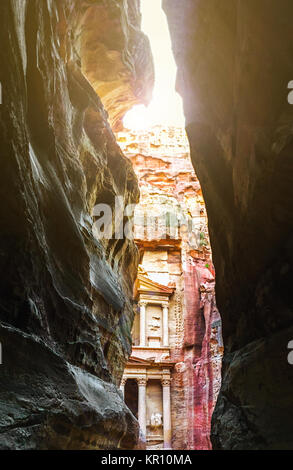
(235, 62)
(201, 353)
(177, 254)
(116, 56)
(66, 298)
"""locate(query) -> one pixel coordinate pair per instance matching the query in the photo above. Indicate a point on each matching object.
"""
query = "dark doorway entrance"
(131, 396)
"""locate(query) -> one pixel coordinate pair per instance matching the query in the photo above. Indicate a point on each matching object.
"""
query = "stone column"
(142, 308)
(165, 325)
(142, 381)
(122, 386)
(167, 412)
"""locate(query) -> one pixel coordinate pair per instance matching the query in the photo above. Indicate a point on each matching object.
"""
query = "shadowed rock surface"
(235, 62)
(65, 298)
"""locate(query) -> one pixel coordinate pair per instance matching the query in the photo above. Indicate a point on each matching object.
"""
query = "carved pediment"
(145, 284)
(139, 361)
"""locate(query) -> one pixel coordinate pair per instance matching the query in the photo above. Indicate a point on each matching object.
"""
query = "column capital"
(141, 381)
(165, 304)
(166, 381)
(123, 381)
(142, 303)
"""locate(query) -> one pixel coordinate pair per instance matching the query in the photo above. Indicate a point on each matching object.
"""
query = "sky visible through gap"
(166, 107)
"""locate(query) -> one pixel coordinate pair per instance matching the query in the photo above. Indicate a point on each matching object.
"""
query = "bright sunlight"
(166, 105)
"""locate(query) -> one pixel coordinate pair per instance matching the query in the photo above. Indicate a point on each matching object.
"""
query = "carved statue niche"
(156, 420)
(155, 323)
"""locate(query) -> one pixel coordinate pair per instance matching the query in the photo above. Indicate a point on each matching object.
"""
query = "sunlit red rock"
(115, 55)
(168, 183)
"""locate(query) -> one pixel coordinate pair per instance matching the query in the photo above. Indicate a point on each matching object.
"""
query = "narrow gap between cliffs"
(172, 378)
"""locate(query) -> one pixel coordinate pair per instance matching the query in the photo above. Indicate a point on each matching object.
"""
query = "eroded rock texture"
(66, 308)
(116, 56)
(235, 62)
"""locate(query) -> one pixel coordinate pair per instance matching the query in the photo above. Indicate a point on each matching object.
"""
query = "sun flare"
(166, 105)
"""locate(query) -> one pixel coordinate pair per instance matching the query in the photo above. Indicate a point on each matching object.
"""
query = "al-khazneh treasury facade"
(172, 378)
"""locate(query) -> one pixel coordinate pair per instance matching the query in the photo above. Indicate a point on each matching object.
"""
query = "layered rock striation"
(234, 65)
(116, 56)
(65, 297)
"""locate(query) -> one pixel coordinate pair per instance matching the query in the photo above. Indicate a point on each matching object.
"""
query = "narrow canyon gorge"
(176, 337)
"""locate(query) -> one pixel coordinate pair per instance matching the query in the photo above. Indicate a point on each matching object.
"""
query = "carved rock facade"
(177, 346)
(66, 298)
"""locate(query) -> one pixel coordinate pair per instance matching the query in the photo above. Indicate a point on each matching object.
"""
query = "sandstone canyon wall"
(235, 63)
(66, 298)
(178, 256)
